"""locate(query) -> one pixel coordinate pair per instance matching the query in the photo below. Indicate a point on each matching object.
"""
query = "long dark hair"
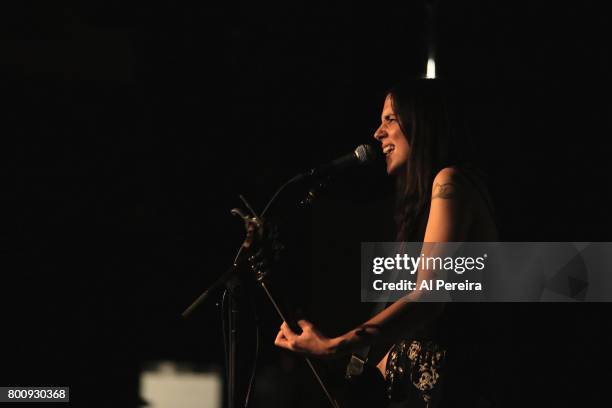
(422, 107)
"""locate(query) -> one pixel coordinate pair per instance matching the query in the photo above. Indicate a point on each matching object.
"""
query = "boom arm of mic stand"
(220, 282)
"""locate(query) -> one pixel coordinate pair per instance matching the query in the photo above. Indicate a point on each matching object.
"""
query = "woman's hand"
(311, 341)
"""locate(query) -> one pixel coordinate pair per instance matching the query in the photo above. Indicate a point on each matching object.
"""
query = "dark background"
(130, 130)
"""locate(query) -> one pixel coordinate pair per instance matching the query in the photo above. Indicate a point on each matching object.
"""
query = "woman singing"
(439, 198)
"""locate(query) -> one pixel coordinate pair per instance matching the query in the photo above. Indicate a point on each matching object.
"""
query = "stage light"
(431, 69)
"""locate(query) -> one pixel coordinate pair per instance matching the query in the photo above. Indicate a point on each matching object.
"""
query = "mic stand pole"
(231, 281)
(233, 286)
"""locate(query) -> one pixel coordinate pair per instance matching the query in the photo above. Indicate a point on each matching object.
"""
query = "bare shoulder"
(448, 184)
(450, 214)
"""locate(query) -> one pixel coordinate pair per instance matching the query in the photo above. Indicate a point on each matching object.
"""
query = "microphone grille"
(365, 154)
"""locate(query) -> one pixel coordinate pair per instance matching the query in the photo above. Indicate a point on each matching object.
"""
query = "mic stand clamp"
(314, 192)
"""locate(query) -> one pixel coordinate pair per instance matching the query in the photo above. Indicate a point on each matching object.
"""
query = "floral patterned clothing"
(414, 372)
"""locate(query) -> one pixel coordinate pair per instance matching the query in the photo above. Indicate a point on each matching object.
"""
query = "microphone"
(363, 154)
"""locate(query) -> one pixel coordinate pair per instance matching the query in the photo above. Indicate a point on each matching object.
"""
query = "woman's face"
(394, 143)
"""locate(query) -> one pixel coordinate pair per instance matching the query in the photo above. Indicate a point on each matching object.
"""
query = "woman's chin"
(391, 168)
(394, 166)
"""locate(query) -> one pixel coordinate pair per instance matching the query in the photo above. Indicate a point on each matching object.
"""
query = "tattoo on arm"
(444, 191)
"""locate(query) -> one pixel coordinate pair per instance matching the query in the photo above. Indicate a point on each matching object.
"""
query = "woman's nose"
(379, 134)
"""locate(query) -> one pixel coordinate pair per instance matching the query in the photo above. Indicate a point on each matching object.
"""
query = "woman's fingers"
(305, 324)
(290, 343)
(281, 340)
(289, 334)
(309, 341)
(289, 340)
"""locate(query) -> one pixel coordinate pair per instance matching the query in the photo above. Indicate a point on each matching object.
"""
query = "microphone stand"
(231, 281)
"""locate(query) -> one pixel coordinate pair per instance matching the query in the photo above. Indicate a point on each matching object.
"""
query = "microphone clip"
(320, 183)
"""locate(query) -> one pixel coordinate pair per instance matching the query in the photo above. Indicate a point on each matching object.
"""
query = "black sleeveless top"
(437, 365)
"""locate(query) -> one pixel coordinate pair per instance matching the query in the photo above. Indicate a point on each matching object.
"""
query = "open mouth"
(388, 149)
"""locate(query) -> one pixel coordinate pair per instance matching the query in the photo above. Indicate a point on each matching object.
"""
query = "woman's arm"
(449, 221)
